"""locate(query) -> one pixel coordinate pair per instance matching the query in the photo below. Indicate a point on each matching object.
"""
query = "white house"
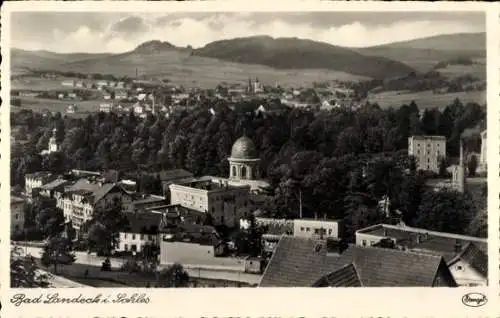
(142, 230)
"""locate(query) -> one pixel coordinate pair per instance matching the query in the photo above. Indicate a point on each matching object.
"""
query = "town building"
(227, 204)
(317, 228)
(16, 215)
(53, 146)
(68, 83)
(142, 230)
(80, 200)
(106, 107)
(465, 256)
(168, 177)
(428, 151)
(36, 180)
(49, 190)
(145, 202)
(305, 262)
(71, 109)
(190, 244)
(483, 158)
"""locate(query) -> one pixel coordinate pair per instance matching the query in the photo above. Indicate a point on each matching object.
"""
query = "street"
(194, 270)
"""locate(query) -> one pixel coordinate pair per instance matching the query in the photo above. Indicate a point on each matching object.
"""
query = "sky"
(120, 32)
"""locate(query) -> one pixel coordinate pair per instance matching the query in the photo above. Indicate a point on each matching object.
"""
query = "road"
(61, 282)
(194, 270)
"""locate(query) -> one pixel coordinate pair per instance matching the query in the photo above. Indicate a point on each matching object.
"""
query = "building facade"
(428, 151)
(16, 215)
(36, 180)
(316, 229)
(227, 204)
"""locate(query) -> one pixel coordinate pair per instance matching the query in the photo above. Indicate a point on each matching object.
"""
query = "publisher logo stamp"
(474, 300)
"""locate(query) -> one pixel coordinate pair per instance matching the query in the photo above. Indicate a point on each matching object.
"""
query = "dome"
(244, 148)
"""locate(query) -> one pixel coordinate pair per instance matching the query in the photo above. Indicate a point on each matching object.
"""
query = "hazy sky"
(120, 32)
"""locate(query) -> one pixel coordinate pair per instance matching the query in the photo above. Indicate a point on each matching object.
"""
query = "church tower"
(458, 174)
(53, 146)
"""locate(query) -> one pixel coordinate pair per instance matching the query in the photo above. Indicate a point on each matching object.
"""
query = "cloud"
(124, 32)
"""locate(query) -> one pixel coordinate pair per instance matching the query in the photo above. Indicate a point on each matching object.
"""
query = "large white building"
(53, 146)
(428, 151)
(80, 200)
(36, 180)
(226, 203)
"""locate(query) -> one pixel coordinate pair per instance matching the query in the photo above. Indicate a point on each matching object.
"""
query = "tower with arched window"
(244, 162)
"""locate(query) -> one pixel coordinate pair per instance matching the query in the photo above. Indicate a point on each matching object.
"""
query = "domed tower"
(244, 161)
(53, 147)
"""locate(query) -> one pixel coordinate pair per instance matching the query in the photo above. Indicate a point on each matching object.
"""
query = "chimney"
(334, 247)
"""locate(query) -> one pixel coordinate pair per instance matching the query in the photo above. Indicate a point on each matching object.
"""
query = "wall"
(427, 156)
(465, 275)
(368, 238)
(130, 239)
(195, 254)
(300, 228)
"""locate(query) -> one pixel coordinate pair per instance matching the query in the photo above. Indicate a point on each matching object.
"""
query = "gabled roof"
(475, 257)
(346, 276)
(143, 223)
(301, 262)
(54, 184)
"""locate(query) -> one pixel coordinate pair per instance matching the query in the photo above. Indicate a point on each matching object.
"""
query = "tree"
(472, 166)
(445, 211)
(23, 271)
(58, 250)
(105, 227)
(172, 276)
(51, 222)
(479, 225)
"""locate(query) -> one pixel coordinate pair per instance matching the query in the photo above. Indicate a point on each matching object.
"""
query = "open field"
(54, 105)
(476, 70)
(425, 99)
(42, 84)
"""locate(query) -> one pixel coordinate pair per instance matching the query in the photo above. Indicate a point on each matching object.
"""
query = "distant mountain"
(293, 53)
(423, 54)
(45, 59)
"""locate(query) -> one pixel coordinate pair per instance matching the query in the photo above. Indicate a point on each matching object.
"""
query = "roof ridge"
(409, 251)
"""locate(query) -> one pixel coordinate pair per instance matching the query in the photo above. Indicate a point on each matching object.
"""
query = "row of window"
(316, 230)
(150, 237)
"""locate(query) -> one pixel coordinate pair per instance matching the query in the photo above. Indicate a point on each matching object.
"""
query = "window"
(428, 152)
(133, 237)
(125, 235)
(308, 229)
(316, 231)
(142, 237)
(330, 232)
(364, 242)
(213, 209)
(302, 229)
(459, 268)
(418, 152)
(17, 216)
(125, 247)
(134, 248)
(150, 237)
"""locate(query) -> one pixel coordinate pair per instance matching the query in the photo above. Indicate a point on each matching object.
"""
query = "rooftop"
(440, 243)
(209, 184)
(54, 184)
(143, 223)
(426, 137)
(304, 262)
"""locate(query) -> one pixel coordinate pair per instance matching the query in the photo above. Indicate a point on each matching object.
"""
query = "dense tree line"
(339, 162)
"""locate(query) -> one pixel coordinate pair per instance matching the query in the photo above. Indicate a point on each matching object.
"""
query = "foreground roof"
(298, 262)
